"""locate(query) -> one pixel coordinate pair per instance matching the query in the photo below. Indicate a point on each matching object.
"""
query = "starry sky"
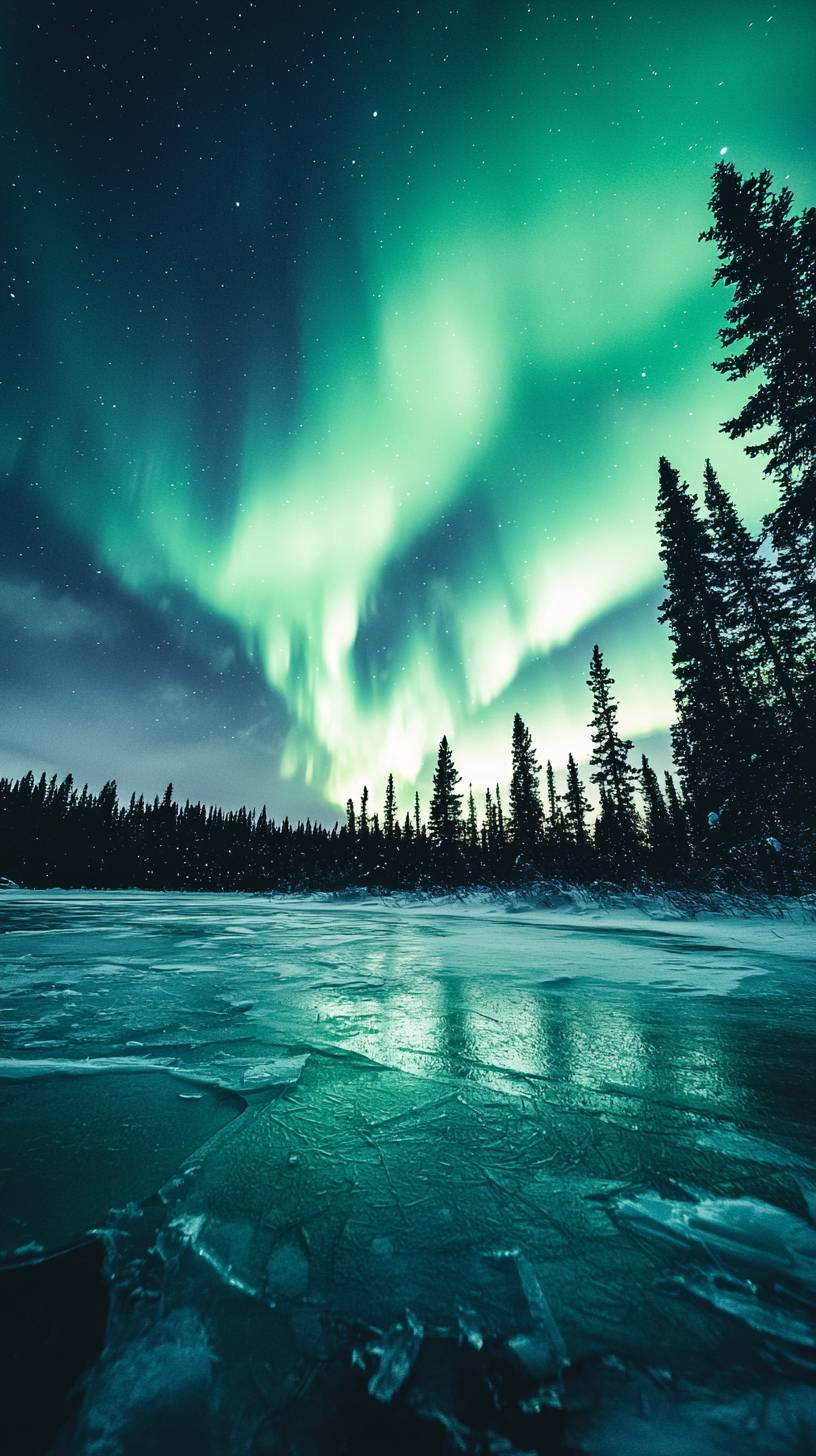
(338, 344)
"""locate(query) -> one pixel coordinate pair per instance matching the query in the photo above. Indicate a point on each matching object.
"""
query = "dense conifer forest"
(740, 609)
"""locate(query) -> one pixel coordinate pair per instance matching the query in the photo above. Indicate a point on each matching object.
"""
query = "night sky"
(338, 345)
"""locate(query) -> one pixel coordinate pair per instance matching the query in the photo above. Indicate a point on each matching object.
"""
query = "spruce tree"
(390, 809)
(576, 808)
(659, 832)
(362, 821)
(491, 831)
(768, 257)
(445, 813)
(499, 817)
(714, 732)
(526, 811)
(612, 771)
(555, 827)
(472, 822)
(765, 632)
(679, 820)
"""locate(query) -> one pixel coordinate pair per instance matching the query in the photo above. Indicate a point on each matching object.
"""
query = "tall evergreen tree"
(362, 821)
(768, 257)
(445, 814)
(390, 809)
(679, 820)
(555, 830)
(764, 630)
(612, 771)
(576, 808)
(659, 832)
(714, 731)
(491, 828)
(472, 822)
(499, 816)
(526, 811)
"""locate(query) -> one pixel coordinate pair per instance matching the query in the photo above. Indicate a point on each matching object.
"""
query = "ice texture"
(491, 1178)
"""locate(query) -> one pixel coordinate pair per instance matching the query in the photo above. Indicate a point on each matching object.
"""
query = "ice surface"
(506, 1178)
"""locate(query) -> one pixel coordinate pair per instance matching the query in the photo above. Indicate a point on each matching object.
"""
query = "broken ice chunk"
(397, 1357)
(746, 1233)
(535, 1352)
(740, 1299)
(547, 1331)
(469, 1326)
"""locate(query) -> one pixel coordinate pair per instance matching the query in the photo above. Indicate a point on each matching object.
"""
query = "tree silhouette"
(576, 808)
(659, 833)
(526, 811)
(715, 725)
(612, 771)
(390, 809)
(472, 822)
(445, 813)
(768, 257)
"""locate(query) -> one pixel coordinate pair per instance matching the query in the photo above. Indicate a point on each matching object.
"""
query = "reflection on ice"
(501, 1184)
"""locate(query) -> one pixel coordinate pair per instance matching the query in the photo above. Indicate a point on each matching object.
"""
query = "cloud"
(30, 607)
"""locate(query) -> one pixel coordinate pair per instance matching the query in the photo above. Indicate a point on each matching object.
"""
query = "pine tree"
(714, 731)
(768, 257)
(445, 814)
(499, 817)
(612, 771)
(606, 834)
(762, 626)
(362, 821)
(351, 822)
(472, 822)
(491, 828)
(555, 825)
(576, 810)
(526, 811)
(679, 820)
(417, 816)
(390, 809)
(659, 833)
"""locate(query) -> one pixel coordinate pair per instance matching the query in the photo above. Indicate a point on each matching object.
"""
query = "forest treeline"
(740, 609)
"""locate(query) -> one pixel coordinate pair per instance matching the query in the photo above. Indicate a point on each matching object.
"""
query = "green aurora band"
(502, 318)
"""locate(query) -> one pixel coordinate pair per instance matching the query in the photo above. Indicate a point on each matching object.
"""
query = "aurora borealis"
(339, 345)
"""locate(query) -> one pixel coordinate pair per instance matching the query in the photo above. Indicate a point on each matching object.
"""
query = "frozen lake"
(377, 1175)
